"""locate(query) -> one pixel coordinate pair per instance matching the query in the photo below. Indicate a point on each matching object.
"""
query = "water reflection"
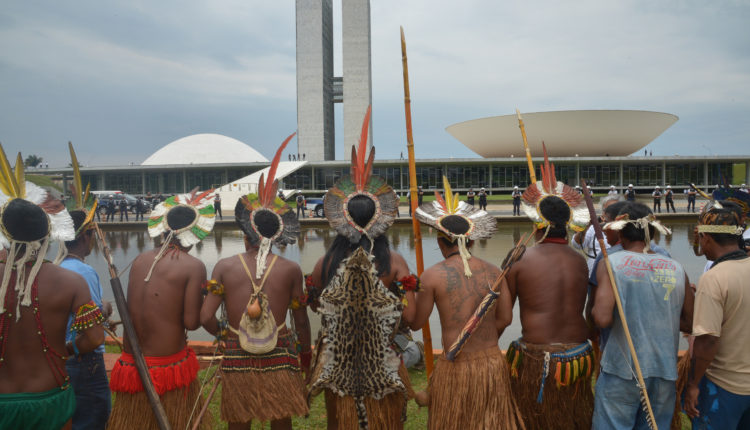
(314, 240)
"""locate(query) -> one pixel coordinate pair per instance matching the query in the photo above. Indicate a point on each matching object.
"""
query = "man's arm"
(704, 351)
(211, 304)
(686, 316)
(604, 300)
(191, 315)
(425, 301)
(503, 308)
(89, 339)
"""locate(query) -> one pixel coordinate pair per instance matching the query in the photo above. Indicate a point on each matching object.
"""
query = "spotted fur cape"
(359, 319)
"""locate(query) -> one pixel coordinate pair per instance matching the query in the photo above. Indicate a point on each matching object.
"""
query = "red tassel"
(167, 373)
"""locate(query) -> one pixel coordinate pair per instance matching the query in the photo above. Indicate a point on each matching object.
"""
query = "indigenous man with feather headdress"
(36, 299)
(474, 390)
(261, 376)
(88, 374)
(658, 303)
(361, 289)
(552, 363)
(164, 301)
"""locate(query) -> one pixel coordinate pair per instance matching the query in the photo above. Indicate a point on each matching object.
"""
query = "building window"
(599, 175)
(684, 173)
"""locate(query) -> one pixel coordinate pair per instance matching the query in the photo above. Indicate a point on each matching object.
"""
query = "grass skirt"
(174, 379)
(683, 374)
(132, 411)
(562, 407)
(263, 387)
(473, 392)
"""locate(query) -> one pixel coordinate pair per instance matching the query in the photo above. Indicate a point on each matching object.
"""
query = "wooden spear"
(426, 335)
(132, 338)
(605, 259)
(532, 173)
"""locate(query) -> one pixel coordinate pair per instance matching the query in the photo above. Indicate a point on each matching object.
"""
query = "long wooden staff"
(701, 192)
(532, 173)
(620, 311)
(426, 335)
(471, 325)
(127, 323)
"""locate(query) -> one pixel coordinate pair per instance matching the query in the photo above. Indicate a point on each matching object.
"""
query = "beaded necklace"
(61, 377)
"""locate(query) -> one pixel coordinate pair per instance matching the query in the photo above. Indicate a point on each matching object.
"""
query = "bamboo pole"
(135, 346)
(426, 335)
(532, 173)
(605, 257)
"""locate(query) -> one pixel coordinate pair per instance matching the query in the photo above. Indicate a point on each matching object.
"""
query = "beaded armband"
(223, 331)
(213, 287)
(312, 293)
(296, 304)
(87, 316)
(405, 284)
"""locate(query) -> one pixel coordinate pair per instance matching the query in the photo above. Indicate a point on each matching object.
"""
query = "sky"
(120, 79)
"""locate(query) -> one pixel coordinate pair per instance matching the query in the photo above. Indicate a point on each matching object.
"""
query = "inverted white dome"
(206, 148)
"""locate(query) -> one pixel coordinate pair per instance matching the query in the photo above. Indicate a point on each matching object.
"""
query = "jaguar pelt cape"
(359, 319)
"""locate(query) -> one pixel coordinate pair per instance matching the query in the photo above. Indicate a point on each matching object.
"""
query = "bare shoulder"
(289, 266)
(432, 275)
(486, 265)
(62, 275)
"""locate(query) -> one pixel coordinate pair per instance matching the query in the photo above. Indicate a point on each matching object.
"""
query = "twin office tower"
(318, 89)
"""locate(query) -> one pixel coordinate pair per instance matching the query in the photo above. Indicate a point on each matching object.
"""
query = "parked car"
(118, 197)
(314, 206)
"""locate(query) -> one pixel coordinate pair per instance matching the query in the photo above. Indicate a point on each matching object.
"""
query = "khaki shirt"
(722, 309)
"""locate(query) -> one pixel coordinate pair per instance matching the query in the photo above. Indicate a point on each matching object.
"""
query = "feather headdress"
(266, 201)
(475, 223)
(641, 223)
(30, 235)
(549, 187)
(188, 217)
(82, 199)
(361, 183)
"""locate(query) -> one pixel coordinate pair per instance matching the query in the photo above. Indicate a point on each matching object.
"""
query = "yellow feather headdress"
(17, 194)
(477, 224)
(82, 200)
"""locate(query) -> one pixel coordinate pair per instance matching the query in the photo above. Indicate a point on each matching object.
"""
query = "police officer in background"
(657, 199)
(516, 194)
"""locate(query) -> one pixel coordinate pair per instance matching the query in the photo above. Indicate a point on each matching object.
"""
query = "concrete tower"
(318, 89)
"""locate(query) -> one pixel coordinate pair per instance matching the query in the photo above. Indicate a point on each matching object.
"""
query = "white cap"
(515, 187)
(656, 187)
(669, 186)
(612, 186)
(743, 185)
(630, 185)
(482, 188)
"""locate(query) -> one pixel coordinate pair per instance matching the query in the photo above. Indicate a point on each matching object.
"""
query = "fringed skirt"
(472, 392)
(552, 384)
(263, 387)
(384, 414)
(174, 379)
(683, 374)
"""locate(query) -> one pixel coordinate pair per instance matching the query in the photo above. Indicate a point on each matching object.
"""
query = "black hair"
(180, 217)
(25, 221)
(267, 223)
(361, 208)
(635, 211)
(614, 209)
(342, 248)
(456, 225)
(557, 212)
(79, 217)
(729, 214)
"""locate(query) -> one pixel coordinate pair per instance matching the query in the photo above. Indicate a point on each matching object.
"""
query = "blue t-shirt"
(652, 291)
(95, 289)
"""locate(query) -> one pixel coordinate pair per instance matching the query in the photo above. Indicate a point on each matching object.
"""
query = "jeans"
(617, 404)
(691, 202)
(88, 376)
(720, 409)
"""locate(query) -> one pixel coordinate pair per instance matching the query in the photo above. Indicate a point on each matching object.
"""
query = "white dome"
(205, 148)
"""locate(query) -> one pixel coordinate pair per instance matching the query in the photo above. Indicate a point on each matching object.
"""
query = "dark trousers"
(657, 205)
(124, 211)
(110, 215)
(301, 209)
(217, 208)
(88, 376)
(516, 206)
(691, 202)
(669, 203)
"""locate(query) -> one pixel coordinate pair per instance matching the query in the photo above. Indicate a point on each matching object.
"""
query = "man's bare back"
(163, 308)
(457, 297)
(550, 282)
(25, 367)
